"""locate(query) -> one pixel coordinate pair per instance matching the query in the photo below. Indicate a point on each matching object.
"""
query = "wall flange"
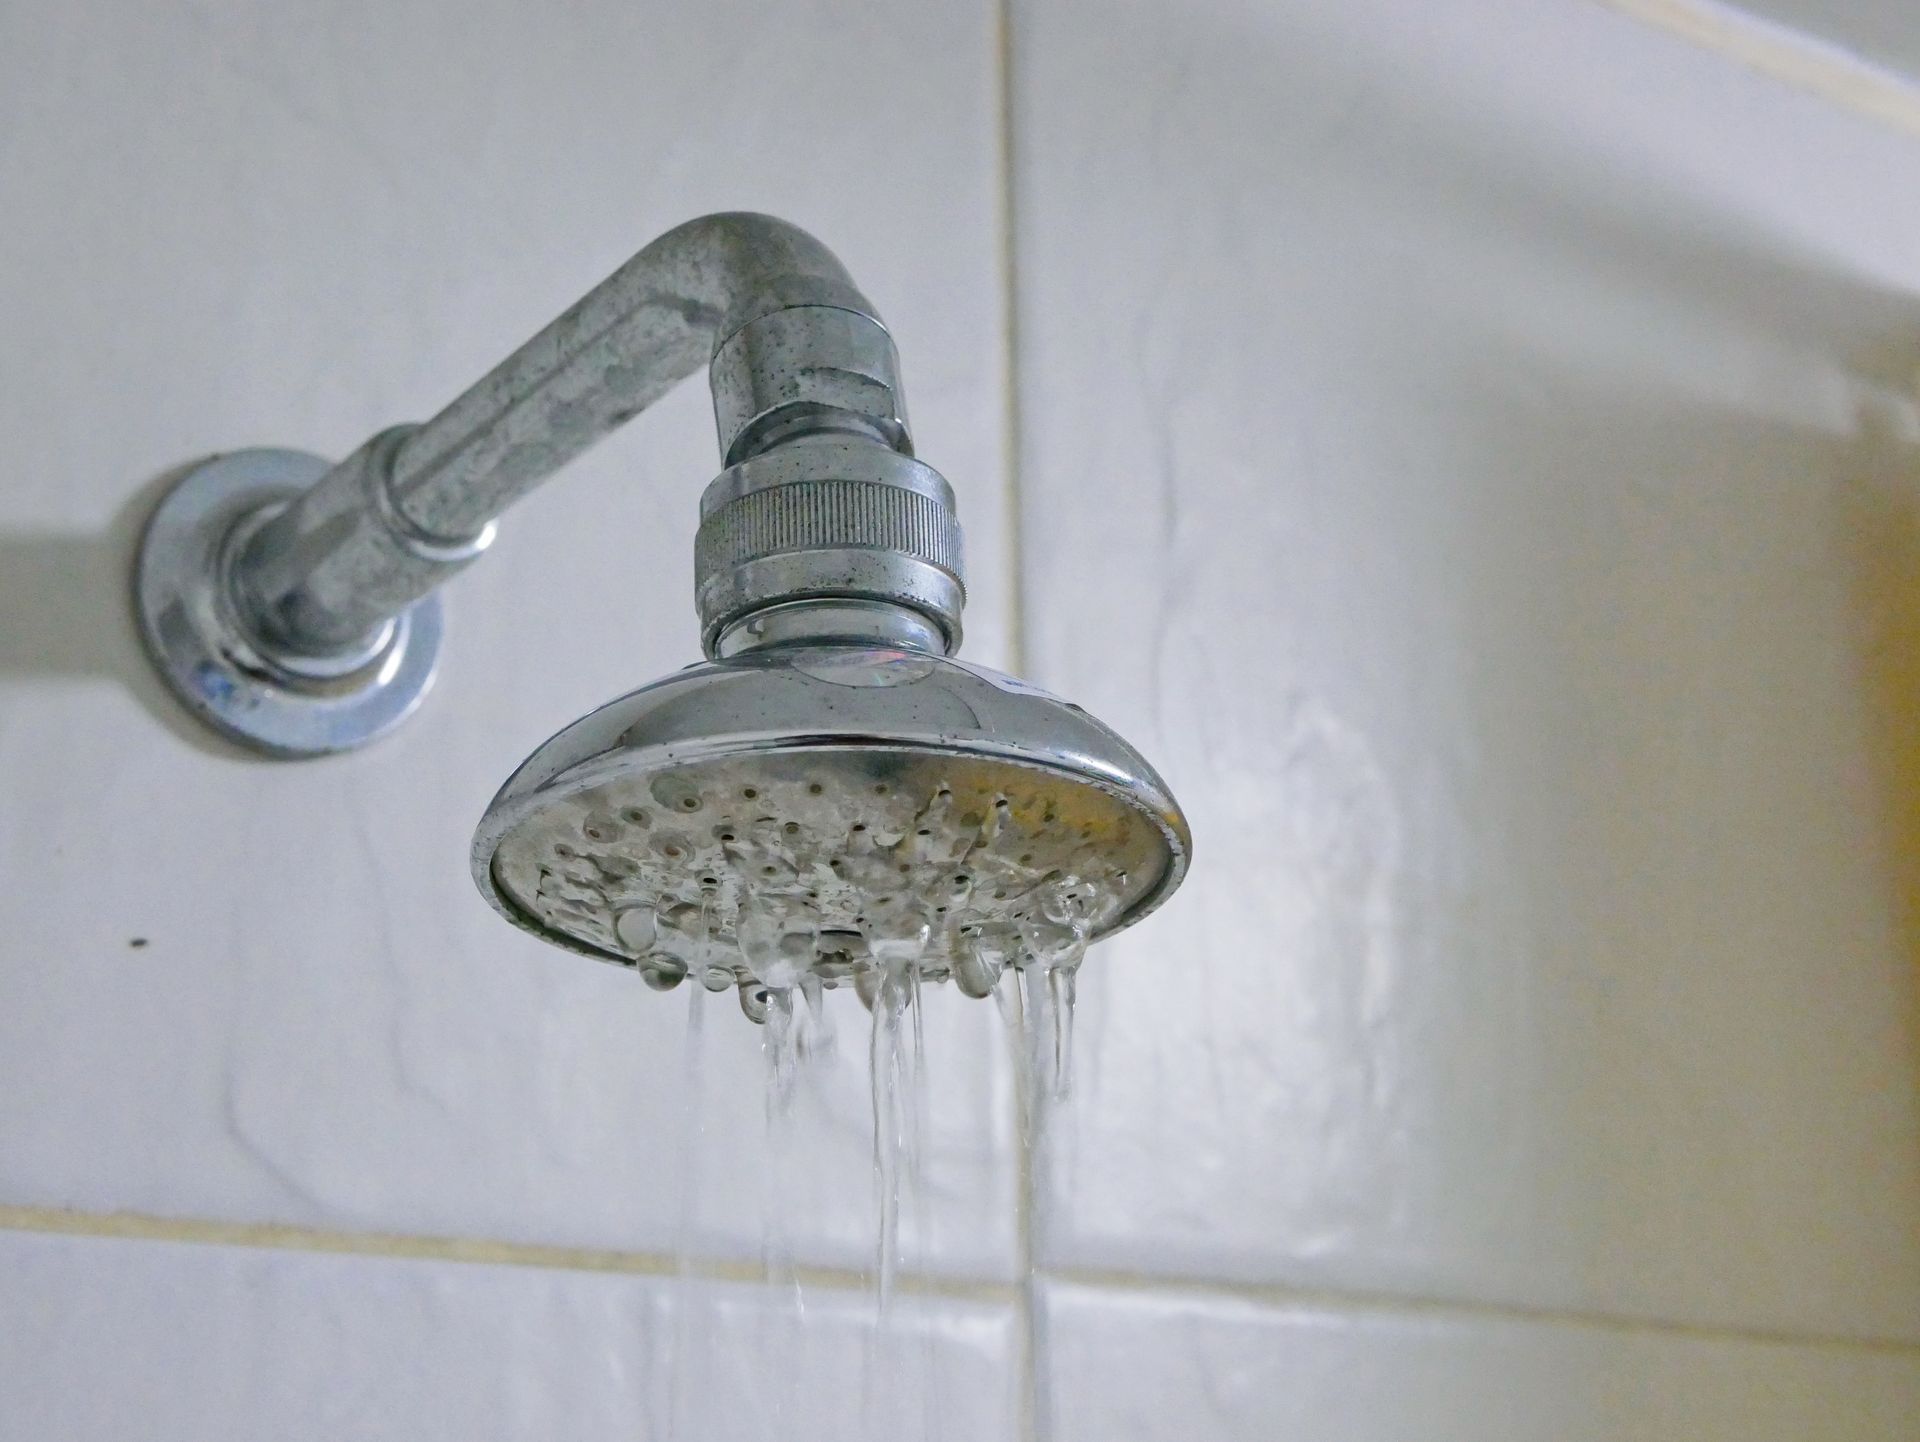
(198, 636)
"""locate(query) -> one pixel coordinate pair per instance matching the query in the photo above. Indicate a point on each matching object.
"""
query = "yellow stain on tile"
(1804, 63)
(1881, 522)
(278, 1236)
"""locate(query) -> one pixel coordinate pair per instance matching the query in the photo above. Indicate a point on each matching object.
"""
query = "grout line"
(1281, 1295)
(1803, 62)
(1029, 1421)
(1011, 430)
(1799, 62)
(403, 1246)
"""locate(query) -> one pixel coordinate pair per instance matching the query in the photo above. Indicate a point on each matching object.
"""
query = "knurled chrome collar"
(828, 517)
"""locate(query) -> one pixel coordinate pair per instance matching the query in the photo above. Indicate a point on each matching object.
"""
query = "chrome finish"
(320, 588)
(857, 623)
(808, 368)
(828, 517)
(334, 566)
(650, 324)
(204, 644)
(794, 776)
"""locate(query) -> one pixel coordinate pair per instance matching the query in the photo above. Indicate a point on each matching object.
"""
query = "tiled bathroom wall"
(1475, 449)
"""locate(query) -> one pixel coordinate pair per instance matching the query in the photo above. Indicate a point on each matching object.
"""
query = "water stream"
(682, 1302)
(1036, 1003)
(894, 901)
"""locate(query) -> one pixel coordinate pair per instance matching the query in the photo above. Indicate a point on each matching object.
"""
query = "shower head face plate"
(819, 810)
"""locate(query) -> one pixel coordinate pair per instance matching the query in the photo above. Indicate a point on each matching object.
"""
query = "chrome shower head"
(831, 812)
(828, 797)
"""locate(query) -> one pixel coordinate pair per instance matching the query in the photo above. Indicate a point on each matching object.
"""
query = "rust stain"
(1881, 517)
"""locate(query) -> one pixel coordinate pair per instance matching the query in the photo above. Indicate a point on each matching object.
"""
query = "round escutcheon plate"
(195, 635)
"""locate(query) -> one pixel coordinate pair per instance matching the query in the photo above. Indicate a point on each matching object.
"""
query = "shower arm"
(300, 615)
(415, 504)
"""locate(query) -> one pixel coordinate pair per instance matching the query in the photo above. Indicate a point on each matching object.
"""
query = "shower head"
(829, 797)
(831, 812)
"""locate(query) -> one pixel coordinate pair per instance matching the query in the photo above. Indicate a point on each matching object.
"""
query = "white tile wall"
(1471, 447)
(1502, 535)
(228, 226)
(110, 1339)
(1165, 1365)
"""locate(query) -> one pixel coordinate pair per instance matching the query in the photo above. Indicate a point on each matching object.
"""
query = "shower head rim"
(507, 810)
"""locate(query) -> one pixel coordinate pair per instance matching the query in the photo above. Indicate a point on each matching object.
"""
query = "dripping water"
(897, 1053)
(918, 1157)
(917, 1092)
(781, 1047)
(802, 898)
(782, 877)
(687, 1144)
(892, 1074)
(1036, 1006)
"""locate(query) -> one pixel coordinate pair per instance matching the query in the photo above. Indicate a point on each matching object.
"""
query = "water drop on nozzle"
(866, 985)
(637, 930)
(662, 973)
(976, 972)
(754, 1001)
(774, 946)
